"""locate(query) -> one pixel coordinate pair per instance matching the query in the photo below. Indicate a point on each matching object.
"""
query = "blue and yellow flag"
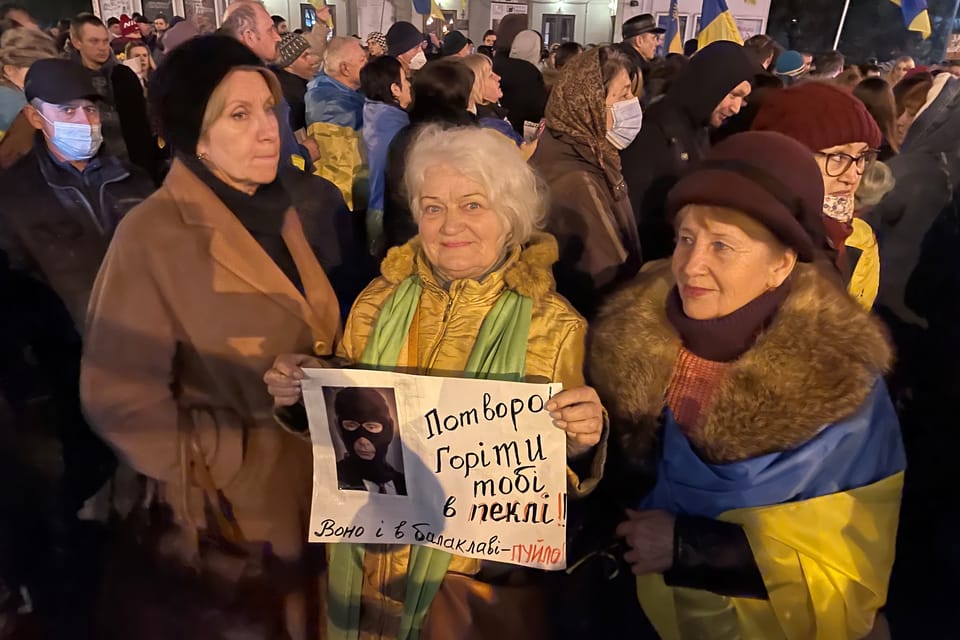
(428, 8)
(717, 23)
(673, 41)
(915, 16)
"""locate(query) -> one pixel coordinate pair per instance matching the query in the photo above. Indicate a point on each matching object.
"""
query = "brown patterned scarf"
(577, 108)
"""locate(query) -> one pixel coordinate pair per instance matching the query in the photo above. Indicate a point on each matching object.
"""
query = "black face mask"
(359, 411)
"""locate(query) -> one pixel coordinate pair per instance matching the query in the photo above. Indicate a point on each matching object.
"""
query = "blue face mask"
(627, 119)
(76, 141)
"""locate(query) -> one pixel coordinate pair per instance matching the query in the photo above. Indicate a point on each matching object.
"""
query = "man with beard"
(676, 135)
(366, 428)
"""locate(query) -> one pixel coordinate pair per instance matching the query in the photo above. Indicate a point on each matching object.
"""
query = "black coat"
(294, 90)
(524, 92)
(56, 223)
(675, 135)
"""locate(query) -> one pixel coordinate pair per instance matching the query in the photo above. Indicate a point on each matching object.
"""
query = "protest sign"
(473, 467)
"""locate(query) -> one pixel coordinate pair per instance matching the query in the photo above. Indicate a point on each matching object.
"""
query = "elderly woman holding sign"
(473, 294)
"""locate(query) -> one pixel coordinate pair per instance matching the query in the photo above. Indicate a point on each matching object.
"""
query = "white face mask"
(418, 60)
(838, 207)
(627, 120)
(76, 141)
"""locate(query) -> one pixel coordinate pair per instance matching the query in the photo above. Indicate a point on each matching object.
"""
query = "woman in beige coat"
(204, 284)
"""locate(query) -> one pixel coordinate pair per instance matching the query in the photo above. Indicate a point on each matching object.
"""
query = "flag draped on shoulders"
(717, 23)
(915, 16)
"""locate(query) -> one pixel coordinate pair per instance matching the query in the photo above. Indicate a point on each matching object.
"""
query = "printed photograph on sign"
(366, 433)
(473, 467)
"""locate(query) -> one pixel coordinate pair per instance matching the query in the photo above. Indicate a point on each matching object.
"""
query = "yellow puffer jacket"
(864, 256)
(449, 321)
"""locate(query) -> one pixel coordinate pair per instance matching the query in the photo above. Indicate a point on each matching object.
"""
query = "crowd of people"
(740, 262)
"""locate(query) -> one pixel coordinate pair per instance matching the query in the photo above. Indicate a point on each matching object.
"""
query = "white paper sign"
(373, 15)
(474, 467)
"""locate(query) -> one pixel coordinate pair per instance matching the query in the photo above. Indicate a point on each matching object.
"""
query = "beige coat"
(186, 315)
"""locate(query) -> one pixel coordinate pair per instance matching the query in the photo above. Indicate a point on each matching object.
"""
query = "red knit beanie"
(819, 115)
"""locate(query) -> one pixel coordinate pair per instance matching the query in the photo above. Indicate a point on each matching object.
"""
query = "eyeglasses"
(837, 164)
(353, 425)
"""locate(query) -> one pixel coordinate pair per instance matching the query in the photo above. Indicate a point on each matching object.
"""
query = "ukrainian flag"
(428, 8)
(673, 40)
(716, 23)
(821, 520)
(915, 16)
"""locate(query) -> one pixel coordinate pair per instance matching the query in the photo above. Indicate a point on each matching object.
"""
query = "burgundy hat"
(764, 175)
(128, 26)
(819, 115)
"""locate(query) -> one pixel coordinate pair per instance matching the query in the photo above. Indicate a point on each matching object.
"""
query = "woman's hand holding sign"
(283, 380)
(579, 413)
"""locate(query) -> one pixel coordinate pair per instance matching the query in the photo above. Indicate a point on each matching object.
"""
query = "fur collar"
(528, 270)
(813, 366)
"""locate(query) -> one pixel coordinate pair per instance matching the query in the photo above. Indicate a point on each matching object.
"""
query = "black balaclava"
(366, 405)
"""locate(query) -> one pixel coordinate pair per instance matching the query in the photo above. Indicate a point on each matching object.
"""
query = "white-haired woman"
(477, 268)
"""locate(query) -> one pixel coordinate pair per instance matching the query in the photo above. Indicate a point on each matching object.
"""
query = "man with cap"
(676, 135)
(455, 45)
(405, 43)
(641, 37)
(62, 202)
(334, 117)
(295, 66)
(64, 199)
(790, 67)
(366, 428)
(376, 44)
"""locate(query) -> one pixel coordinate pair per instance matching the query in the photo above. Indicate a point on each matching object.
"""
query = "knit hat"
(181, 88)
(453, 43)
(820, 115)
(128, 26)
(375, 37)
(401, 37)
(790, 64)
(292, 45)
(764, 175)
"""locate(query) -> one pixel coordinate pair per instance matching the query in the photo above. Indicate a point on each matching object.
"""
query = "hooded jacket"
(800, 429)
(449, 322)
(675, 135)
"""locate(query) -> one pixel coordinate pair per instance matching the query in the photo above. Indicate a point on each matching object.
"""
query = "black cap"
(637, 25)
(59, 81)
(142, 20)
(401, 37)
(453, 43)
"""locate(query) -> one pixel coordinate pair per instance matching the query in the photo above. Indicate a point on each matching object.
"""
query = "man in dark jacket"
(641, 37)
(295, 66)
(524, 92)
(64, 199)
(675, 135)
(123, 108)
(364, 424)
(62, 202)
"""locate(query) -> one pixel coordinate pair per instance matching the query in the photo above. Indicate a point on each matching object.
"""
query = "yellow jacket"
(448, 321)
(865, 281)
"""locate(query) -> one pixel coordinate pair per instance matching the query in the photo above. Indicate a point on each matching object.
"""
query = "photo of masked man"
(363, 421)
